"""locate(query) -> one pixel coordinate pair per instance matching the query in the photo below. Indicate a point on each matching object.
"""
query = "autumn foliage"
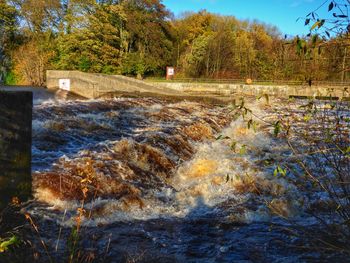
(141, 37)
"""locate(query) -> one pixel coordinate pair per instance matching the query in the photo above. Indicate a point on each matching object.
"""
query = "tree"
(188, 28)
(141, 37)
(219, 61)
(150, 37)
(8, 29)
(97, 47)
(336, 26)
(197, 61)
(39, 16)
(130, 37)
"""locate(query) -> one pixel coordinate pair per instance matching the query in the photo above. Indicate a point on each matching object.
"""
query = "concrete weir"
(15, 146)
(92, 86)
(283, 91)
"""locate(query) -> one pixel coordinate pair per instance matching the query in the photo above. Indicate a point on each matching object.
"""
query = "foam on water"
(157, 181)
(144, 177)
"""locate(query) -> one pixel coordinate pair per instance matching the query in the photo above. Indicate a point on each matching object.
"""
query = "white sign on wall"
(171, 71)
(64, 84)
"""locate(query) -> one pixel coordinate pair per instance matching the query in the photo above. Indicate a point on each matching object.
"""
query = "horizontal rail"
(259, 82)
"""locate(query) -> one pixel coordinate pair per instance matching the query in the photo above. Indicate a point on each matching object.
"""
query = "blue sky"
(281, 13)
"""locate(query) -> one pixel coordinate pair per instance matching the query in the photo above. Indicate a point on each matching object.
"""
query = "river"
(161, 181)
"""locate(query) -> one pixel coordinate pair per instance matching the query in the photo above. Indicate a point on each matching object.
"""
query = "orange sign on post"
(170, 73)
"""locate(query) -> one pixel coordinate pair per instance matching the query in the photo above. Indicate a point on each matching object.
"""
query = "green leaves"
(331, 6)
(315, 25)
(252, 124)
(307, 117)
(339, 26)
(222, 137)
(277, 127)
(5, 244)
(279, 171)
(233, 146)
(318, 24)
(347, 151)
(243, 150)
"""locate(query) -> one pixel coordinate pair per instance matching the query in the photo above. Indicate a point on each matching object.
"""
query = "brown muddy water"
(163, 181)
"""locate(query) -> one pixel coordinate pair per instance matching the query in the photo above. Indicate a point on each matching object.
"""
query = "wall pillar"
(15, 146)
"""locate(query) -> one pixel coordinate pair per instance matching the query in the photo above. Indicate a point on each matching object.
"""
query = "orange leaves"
(87, 173)
(85, 190)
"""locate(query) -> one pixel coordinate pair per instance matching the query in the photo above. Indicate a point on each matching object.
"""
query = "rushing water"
(42, 95)
(163, 182)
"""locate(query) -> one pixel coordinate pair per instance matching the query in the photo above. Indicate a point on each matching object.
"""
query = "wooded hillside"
(141, 37)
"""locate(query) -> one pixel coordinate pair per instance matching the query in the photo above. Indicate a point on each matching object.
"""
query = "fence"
(257, 82)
